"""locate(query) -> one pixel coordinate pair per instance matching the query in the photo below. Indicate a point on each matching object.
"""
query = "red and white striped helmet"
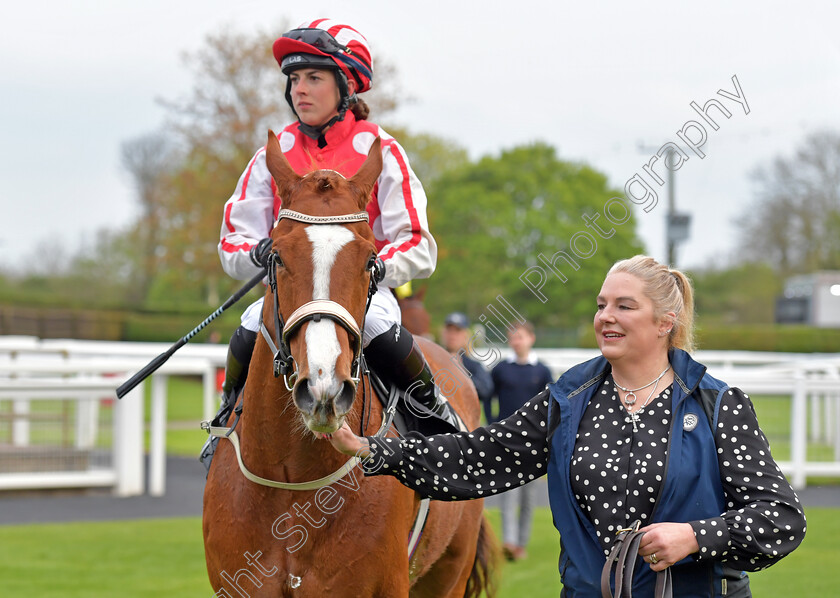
(324, 38)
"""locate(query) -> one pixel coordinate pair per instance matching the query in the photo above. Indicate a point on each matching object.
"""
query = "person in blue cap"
(456, 339)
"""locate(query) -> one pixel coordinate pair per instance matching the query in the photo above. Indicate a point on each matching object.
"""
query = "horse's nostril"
(344, 399)
(303, 396)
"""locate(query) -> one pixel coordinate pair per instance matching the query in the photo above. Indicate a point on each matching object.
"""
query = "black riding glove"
(260, 251)
(378, 270)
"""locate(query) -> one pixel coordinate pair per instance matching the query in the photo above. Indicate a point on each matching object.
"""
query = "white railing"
(124, 472)
(811, 381)
(82, 372)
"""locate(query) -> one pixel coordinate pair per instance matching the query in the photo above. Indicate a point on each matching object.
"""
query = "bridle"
(284, 363)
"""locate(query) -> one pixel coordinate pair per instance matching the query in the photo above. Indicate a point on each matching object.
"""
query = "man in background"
(516, 380)
(456, 339)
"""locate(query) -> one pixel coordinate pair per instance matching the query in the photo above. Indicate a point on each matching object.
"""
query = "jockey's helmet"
(324, 43)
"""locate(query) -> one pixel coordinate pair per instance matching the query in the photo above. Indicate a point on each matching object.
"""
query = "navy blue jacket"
(515, 383)
(480, 378)
(691, 489)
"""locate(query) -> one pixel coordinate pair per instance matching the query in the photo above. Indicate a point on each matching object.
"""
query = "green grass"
(141, 558)
(165, 557)
(536, 576)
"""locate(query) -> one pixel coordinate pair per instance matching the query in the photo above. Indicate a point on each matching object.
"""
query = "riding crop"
(158, 361)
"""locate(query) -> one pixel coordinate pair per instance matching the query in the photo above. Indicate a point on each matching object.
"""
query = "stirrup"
(221, 417)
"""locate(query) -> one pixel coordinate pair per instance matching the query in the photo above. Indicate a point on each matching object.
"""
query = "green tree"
(743, 294)
(493, 220)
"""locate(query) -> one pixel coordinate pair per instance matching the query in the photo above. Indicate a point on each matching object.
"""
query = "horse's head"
(323, 267)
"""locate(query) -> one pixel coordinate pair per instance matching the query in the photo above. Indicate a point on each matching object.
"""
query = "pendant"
(628, 401)
(634, 419)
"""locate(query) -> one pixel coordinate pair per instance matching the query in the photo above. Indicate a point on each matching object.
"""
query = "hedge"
(113, 325)
(781, 338)
(169, 326)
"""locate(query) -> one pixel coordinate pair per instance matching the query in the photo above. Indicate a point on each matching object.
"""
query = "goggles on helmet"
(324, 42)
(317, 38)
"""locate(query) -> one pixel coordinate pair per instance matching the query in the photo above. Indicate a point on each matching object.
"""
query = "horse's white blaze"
(322, 348)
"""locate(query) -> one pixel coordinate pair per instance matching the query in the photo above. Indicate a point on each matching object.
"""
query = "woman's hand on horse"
(669, 542)
(345, 441)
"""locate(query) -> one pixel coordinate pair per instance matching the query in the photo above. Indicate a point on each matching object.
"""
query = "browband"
(340, 219)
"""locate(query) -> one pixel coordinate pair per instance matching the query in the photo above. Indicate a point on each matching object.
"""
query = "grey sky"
(603, 82)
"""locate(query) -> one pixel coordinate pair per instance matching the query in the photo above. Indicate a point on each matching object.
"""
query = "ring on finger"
(653, 559)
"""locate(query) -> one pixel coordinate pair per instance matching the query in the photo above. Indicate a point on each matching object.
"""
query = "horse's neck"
(272, 433)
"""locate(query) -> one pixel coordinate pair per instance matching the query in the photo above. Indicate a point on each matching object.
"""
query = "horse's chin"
(323, 425)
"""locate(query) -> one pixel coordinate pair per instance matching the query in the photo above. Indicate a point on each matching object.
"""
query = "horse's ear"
(279, 166)
(367, 175)
(420, 294)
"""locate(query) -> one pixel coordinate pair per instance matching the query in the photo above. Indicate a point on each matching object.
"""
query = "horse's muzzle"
(324, 406)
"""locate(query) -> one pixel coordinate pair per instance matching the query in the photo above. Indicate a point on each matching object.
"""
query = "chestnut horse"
(340, 535)
(415, 318)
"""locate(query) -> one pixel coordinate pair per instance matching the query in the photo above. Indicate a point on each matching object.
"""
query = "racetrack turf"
(164, 557)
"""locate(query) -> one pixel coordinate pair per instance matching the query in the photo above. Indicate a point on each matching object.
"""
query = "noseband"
(284, 363)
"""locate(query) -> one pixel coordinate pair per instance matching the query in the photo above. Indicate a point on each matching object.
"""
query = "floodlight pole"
(669, 237)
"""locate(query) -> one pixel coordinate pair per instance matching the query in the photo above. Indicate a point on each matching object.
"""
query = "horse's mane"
(323, 180)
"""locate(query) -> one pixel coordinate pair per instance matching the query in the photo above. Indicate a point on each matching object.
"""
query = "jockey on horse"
(327, 64)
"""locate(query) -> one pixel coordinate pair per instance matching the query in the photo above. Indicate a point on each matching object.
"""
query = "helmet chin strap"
(317, 132)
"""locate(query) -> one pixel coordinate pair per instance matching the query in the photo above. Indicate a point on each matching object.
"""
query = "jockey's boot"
(236, 370)
(396, 357)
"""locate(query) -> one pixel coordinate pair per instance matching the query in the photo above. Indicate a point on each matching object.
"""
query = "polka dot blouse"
(617, 471)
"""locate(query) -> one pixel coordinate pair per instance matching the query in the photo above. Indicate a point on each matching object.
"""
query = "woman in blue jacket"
(639, 433)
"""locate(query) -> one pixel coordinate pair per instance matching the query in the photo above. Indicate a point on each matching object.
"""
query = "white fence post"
(799, 430)
(87, 423)
(835, 399)
(815, 403)
(128, 443)
(157, 441)
(20, 422)
(211, 397)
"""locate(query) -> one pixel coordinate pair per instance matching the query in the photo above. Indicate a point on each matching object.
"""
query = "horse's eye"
(371, 262)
